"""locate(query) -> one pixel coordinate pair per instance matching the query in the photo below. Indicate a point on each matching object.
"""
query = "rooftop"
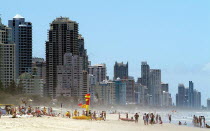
(18, 16)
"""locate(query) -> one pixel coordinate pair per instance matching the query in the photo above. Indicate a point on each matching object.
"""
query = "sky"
(171, 35)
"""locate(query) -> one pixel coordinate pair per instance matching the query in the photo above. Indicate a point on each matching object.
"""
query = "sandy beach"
(66, 124)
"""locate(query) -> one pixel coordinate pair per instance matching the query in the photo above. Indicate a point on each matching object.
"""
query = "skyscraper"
(181, 95)
(7, 56)
(63, 38)
(191, 94)
(155, 86)
(22, 37)
(83, 52)
(130, 88)
(145, 69)
(120, 70)
(208, 103)
(120, 92)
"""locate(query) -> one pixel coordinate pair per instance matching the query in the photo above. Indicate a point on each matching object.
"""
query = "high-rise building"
(140, 95)
(70, 76)
(130, 88)
(155, 86)
(22, 37)
(120, 70)
(184, 95)
(63, 38)
(120, 92)
(7, 56)
(164, 87)
(92, 83)
(181, 95)
(83, 52)
(39, 65)
(166, 99)
(31, 84)
(197, 99)
(85, 88)
(99, 71)
(145, 70)
(191, 94)
(105, 92)
(208, 103)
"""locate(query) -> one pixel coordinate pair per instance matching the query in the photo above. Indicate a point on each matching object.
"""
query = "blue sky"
(173, 36)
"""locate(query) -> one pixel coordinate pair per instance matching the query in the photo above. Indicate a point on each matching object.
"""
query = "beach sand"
(66, 124)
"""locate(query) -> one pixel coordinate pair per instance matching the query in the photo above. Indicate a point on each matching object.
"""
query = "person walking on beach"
(144, 119)
(119, 116)
(204, 121)
(169, 118)
(136, 116)
(0, 112)
(147, 119)
(200, 121)
(157, 117)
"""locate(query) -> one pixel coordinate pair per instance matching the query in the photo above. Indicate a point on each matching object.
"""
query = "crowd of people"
(26, 110)
(199, 121)
(150, 118)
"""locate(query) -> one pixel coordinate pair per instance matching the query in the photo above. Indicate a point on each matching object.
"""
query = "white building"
(166, 99)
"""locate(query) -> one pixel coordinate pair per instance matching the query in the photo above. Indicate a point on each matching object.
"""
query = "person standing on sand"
(160, 120)
(157, 118)
(169, 118)
(200, 121)
(126, 115)
(136, 116)
(147, 119)
(94, 115)
(144, 119)
(0, 112)
(104, 115)
(152, 119)
(204, 121)
(119, 115)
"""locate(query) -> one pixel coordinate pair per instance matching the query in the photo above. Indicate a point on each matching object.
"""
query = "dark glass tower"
(120, 70)
(22, 37)
(63, 38)
(145, 71)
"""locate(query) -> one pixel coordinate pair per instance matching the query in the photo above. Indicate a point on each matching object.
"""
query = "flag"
(80, 104)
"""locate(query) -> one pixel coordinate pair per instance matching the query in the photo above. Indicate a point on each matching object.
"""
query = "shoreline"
(59, 123)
